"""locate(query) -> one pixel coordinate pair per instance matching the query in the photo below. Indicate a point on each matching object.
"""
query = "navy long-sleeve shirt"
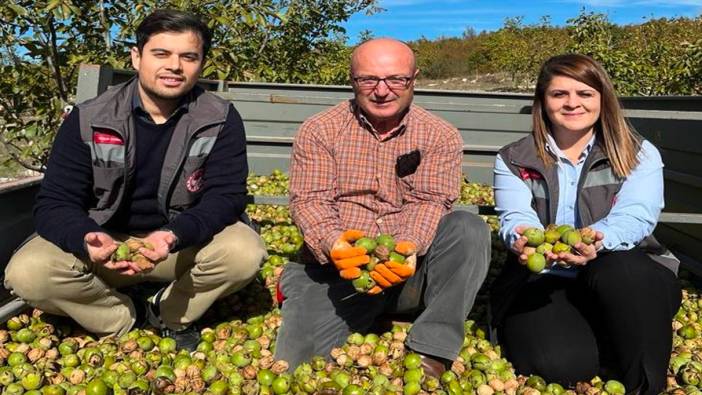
(60, 213)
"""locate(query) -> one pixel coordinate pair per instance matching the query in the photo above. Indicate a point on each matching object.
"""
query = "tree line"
(659, 57)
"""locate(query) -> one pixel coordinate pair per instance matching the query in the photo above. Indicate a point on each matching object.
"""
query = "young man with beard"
(156, 158)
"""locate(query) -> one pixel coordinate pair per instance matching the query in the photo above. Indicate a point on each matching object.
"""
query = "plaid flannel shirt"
(343, 176)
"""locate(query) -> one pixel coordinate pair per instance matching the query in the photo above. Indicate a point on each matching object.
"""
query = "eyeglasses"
(393, 82)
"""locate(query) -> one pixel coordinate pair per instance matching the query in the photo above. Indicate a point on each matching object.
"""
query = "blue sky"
(412, 19)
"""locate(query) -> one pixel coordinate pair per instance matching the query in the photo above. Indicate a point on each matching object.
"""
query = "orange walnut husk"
(406, 248)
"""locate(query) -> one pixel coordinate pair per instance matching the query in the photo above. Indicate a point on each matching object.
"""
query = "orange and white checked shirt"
(343, 176)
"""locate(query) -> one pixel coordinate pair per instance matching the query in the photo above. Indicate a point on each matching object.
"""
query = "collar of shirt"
(138, 108)
(397, 130)
(553, 148)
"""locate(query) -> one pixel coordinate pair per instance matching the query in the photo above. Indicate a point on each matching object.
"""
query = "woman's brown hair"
(617, 137)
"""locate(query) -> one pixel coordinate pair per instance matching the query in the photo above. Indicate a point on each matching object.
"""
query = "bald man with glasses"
(380, 164)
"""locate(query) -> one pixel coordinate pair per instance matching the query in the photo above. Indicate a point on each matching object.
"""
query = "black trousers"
(613, 319)
(321, 309)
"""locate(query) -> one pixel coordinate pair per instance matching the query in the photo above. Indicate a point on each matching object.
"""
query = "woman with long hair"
(603, 308)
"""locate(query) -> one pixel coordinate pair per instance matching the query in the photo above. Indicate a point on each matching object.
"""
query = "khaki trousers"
(60, 283)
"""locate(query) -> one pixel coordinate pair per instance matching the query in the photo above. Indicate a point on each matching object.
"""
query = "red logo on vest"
(194, 182)
(106, 137)
(529, 174)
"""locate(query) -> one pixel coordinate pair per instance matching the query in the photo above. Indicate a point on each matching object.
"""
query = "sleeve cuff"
(512, 236)
(179, 230)
(614, 246)
(177, 239)
(76, 244)
(608, 243)
(329, 241)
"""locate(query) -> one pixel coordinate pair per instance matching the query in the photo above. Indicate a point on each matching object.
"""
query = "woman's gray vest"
(107, 127)
(597, 190)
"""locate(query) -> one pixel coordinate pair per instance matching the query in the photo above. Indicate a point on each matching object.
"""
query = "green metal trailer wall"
(273, 112)
(487, 121)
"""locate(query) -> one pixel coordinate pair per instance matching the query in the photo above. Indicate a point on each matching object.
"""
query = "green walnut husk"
(129, 251)
(238, 341)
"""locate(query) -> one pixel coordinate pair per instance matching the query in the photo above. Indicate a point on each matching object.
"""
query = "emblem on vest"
(194, 182)
(529, 174)
(535, 181)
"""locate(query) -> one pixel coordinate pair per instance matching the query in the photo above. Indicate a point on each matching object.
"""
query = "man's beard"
(165, 95)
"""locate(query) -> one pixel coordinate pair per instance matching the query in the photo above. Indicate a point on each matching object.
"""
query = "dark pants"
(321, 309)
(615, 315)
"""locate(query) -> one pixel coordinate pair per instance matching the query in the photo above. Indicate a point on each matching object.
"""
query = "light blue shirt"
(633, 217)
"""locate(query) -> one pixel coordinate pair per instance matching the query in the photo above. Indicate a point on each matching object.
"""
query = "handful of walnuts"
(129, 251)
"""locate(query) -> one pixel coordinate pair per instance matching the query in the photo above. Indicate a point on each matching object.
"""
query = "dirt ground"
(483, 83)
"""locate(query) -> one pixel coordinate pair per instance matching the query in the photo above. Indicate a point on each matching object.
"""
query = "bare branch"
(105, 27)
(263, 44)
(54, 55)
(10, 148)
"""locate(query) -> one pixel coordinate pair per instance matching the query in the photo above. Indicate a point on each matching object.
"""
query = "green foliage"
(521, 49)
(276, 41)
(691, 78)
(42, 43)
(653, 58)
(26, 129)
(658, 57)
(445, 57)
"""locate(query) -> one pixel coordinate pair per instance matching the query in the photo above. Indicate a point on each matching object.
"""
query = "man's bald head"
(380, 48)
(388, 70)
